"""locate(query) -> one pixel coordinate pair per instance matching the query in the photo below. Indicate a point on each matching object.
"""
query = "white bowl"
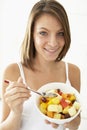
(64, 88)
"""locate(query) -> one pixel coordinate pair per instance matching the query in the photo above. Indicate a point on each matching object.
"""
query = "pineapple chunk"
(57, 116)
(55, 108)
(72, 111)
(43, 107)
(65, 110)
(64, 95)
(55, 100)
(72, 97)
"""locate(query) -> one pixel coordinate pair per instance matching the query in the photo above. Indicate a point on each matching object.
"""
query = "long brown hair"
(54, 8)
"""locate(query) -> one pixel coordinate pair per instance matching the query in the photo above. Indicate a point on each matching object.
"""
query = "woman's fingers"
(47, 122)
(15, 95)
(16, 98)
(53, 124)
(16, 91)
(20, 90)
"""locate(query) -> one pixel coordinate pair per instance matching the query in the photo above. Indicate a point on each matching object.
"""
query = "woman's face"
(48, 37)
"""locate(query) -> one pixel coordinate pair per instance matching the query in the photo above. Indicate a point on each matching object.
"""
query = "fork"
(44, 94)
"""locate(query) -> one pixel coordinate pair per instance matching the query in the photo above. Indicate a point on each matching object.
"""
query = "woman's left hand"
(74, 124)
(53, 124)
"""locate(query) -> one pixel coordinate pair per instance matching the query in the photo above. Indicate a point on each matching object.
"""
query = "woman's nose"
(53, 41)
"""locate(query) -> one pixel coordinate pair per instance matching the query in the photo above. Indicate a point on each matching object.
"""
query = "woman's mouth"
(51, 50)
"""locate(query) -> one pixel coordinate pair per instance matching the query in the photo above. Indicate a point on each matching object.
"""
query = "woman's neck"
(43, 65)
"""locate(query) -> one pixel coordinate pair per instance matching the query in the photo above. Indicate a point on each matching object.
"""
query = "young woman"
(45, 44)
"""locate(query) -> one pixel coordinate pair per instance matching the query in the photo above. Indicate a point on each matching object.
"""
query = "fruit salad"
(62, 106)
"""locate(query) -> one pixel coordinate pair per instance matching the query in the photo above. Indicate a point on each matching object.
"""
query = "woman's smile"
(51, 51)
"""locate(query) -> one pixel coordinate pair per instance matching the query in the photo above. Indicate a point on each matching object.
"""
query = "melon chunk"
(55, 108)
(76, 105)
(72, 111)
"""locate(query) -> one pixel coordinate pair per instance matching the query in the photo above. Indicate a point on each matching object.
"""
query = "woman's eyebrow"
(43, 28)
(60, 30)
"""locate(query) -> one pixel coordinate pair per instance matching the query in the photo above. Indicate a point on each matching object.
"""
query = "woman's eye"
(43, 33)
(60, 34)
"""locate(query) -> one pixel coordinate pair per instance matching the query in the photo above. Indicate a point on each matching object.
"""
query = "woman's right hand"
(16, 94)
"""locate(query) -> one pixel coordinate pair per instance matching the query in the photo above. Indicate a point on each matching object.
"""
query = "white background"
(13, 21)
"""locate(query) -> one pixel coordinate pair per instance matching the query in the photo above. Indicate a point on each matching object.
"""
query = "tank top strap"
(21, 72)
(67, 76)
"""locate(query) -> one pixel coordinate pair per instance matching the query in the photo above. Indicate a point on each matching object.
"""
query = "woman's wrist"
(15, 115)
(15, 118)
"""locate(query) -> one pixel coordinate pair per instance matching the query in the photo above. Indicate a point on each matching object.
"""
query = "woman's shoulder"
(75, 76)
(73, 68)
(11, 71)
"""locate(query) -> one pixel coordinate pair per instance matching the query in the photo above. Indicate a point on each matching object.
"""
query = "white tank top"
(30, 116)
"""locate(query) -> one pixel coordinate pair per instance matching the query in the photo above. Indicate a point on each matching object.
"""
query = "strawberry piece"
(64, 103)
